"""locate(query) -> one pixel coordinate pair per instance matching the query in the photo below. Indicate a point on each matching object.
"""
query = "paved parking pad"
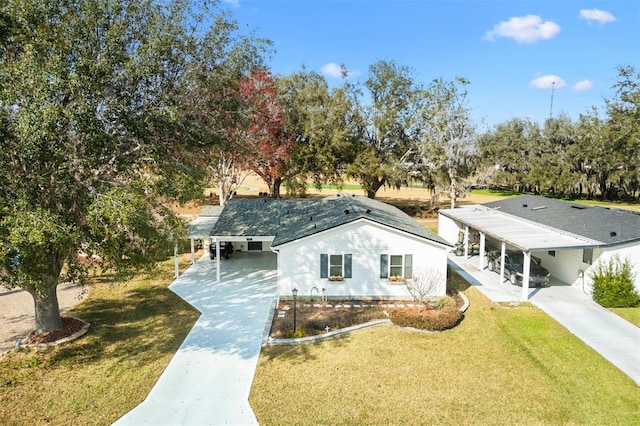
(208, 380)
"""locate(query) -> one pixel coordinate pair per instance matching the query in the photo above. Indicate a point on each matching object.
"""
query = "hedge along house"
(570, 239)
(342, 246)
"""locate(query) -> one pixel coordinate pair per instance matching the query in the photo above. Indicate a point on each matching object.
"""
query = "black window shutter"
(384, 266)
(324, 265)
(347, 266)
(408, 266)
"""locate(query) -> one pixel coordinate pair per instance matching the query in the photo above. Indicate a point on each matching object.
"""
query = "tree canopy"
(94, 140)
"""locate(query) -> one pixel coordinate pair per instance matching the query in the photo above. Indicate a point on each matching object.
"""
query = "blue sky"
(510, 51)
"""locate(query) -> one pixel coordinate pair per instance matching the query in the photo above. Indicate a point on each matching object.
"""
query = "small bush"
(443, 302)
(613, 284)
(300, 332)
(444, 319)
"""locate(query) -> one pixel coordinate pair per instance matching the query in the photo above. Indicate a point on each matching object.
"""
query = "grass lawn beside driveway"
(630, 314)
(136, 327)
(501, 365)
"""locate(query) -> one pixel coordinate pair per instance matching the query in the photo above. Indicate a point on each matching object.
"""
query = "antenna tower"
(553, 88)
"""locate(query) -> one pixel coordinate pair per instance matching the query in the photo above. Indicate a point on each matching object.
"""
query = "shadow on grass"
(455, 282)
(140, 326)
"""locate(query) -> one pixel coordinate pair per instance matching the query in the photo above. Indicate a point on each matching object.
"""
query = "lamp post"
(295, 293)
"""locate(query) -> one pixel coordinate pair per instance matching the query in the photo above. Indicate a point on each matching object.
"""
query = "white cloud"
(548, 81)
(582, 86)
(524, 29)
(234, 3)
(334, 70)
(601, 16)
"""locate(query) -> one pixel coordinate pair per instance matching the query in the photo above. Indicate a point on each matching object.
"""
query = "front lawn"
(136, 327)
(501, 365)
(630, 314)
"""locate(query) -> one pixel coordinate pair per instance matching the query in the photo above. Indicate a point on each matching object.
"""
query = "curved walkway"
(208, 380)
(17, 314)
(616, 339)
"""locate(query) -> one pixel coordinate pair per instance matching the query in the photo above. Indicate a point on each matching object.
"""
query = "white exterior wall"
(566, 265)
(448, 229)
(299, 262)
(630, 252)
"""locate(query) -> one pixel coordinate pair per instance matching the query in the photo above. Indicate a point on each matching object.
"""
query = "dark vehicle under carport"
(514, 266)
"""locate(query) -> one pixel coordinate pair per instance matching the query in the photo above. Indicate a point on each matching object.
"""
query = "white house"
(570, 239)
(343, 246)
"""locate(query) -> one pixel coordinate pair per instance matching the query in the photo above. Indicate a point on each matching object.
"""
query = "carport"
(511, 231)
(198, 228)
(257, 240)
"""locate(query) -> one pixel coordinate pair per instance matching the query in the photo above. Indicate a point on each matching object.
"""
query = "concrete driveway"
(208, 380)
(611, 336)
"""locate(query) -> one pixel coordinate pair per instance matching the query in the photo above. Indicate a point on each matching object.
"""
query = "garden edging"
(270, 341)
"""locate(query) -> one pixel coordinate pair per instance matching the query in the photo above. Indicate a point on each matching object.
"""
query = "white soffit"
(520, 233)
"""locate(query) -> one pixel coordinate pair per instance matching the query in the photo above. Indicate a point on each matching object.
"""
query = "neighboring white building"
(343, 246)
(570, 239)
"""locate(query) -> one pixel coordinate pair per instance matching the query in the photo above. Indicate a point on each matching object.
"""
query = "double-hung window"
(335, 266)
(396, 265)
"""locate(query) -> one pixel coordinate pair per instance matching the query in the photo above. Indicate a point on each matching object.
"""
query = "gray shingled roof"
(291, 219)
(608, 225)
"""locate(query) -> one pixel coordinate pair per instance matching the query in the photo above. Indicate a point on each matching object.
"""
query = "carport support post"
(481, 253)
(193, 255)
(503, 251)
(525, 275)
(176, 265)
(466, 241)
(217, 260)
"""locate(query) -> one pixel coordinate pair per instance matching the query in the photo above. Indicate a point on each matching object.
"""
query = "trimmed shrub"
(613, 284)
(443, 319)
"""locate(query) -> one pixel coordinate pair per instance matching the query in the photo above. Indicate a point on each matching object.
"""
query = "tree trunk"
(221, 196)
(453, 189)
(275, 187)
(47, 309)
(373, 187)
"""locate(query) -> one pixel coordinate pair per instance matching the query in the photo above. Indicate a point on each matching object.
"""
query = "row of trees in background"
(596, 156)
(389, 130)
(382, 132)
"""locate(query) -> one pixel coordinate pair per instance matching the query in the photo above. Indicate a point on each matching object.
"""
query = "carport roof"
(531, 222)
(607, 226)
(201, 226)
(292, 219)
(520, 233)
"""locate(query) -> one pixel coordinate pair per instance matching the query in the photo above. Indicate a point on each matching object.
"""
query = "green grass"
(507, 193)
(630, 314)
(611, 204)
(136, 327)
(501, 365)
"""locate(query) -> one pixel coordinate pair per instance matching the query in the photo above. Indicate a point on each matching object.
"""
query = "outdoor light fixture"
(295, 294)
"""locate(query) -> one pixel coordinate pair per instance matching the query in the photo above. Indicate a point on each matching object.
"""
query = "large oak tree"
(94, 141)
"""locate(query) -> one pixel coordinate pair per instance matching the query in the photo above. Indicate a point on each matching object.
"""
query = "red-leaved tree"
(268, 143)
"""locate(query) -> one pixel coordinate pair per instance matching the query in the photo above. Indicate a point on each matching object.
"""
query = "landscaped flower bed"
(318, 317)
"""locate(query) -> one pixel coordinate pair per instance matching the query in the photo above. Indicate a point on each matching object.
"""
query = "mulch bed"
(69, 327)
(340, 314)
